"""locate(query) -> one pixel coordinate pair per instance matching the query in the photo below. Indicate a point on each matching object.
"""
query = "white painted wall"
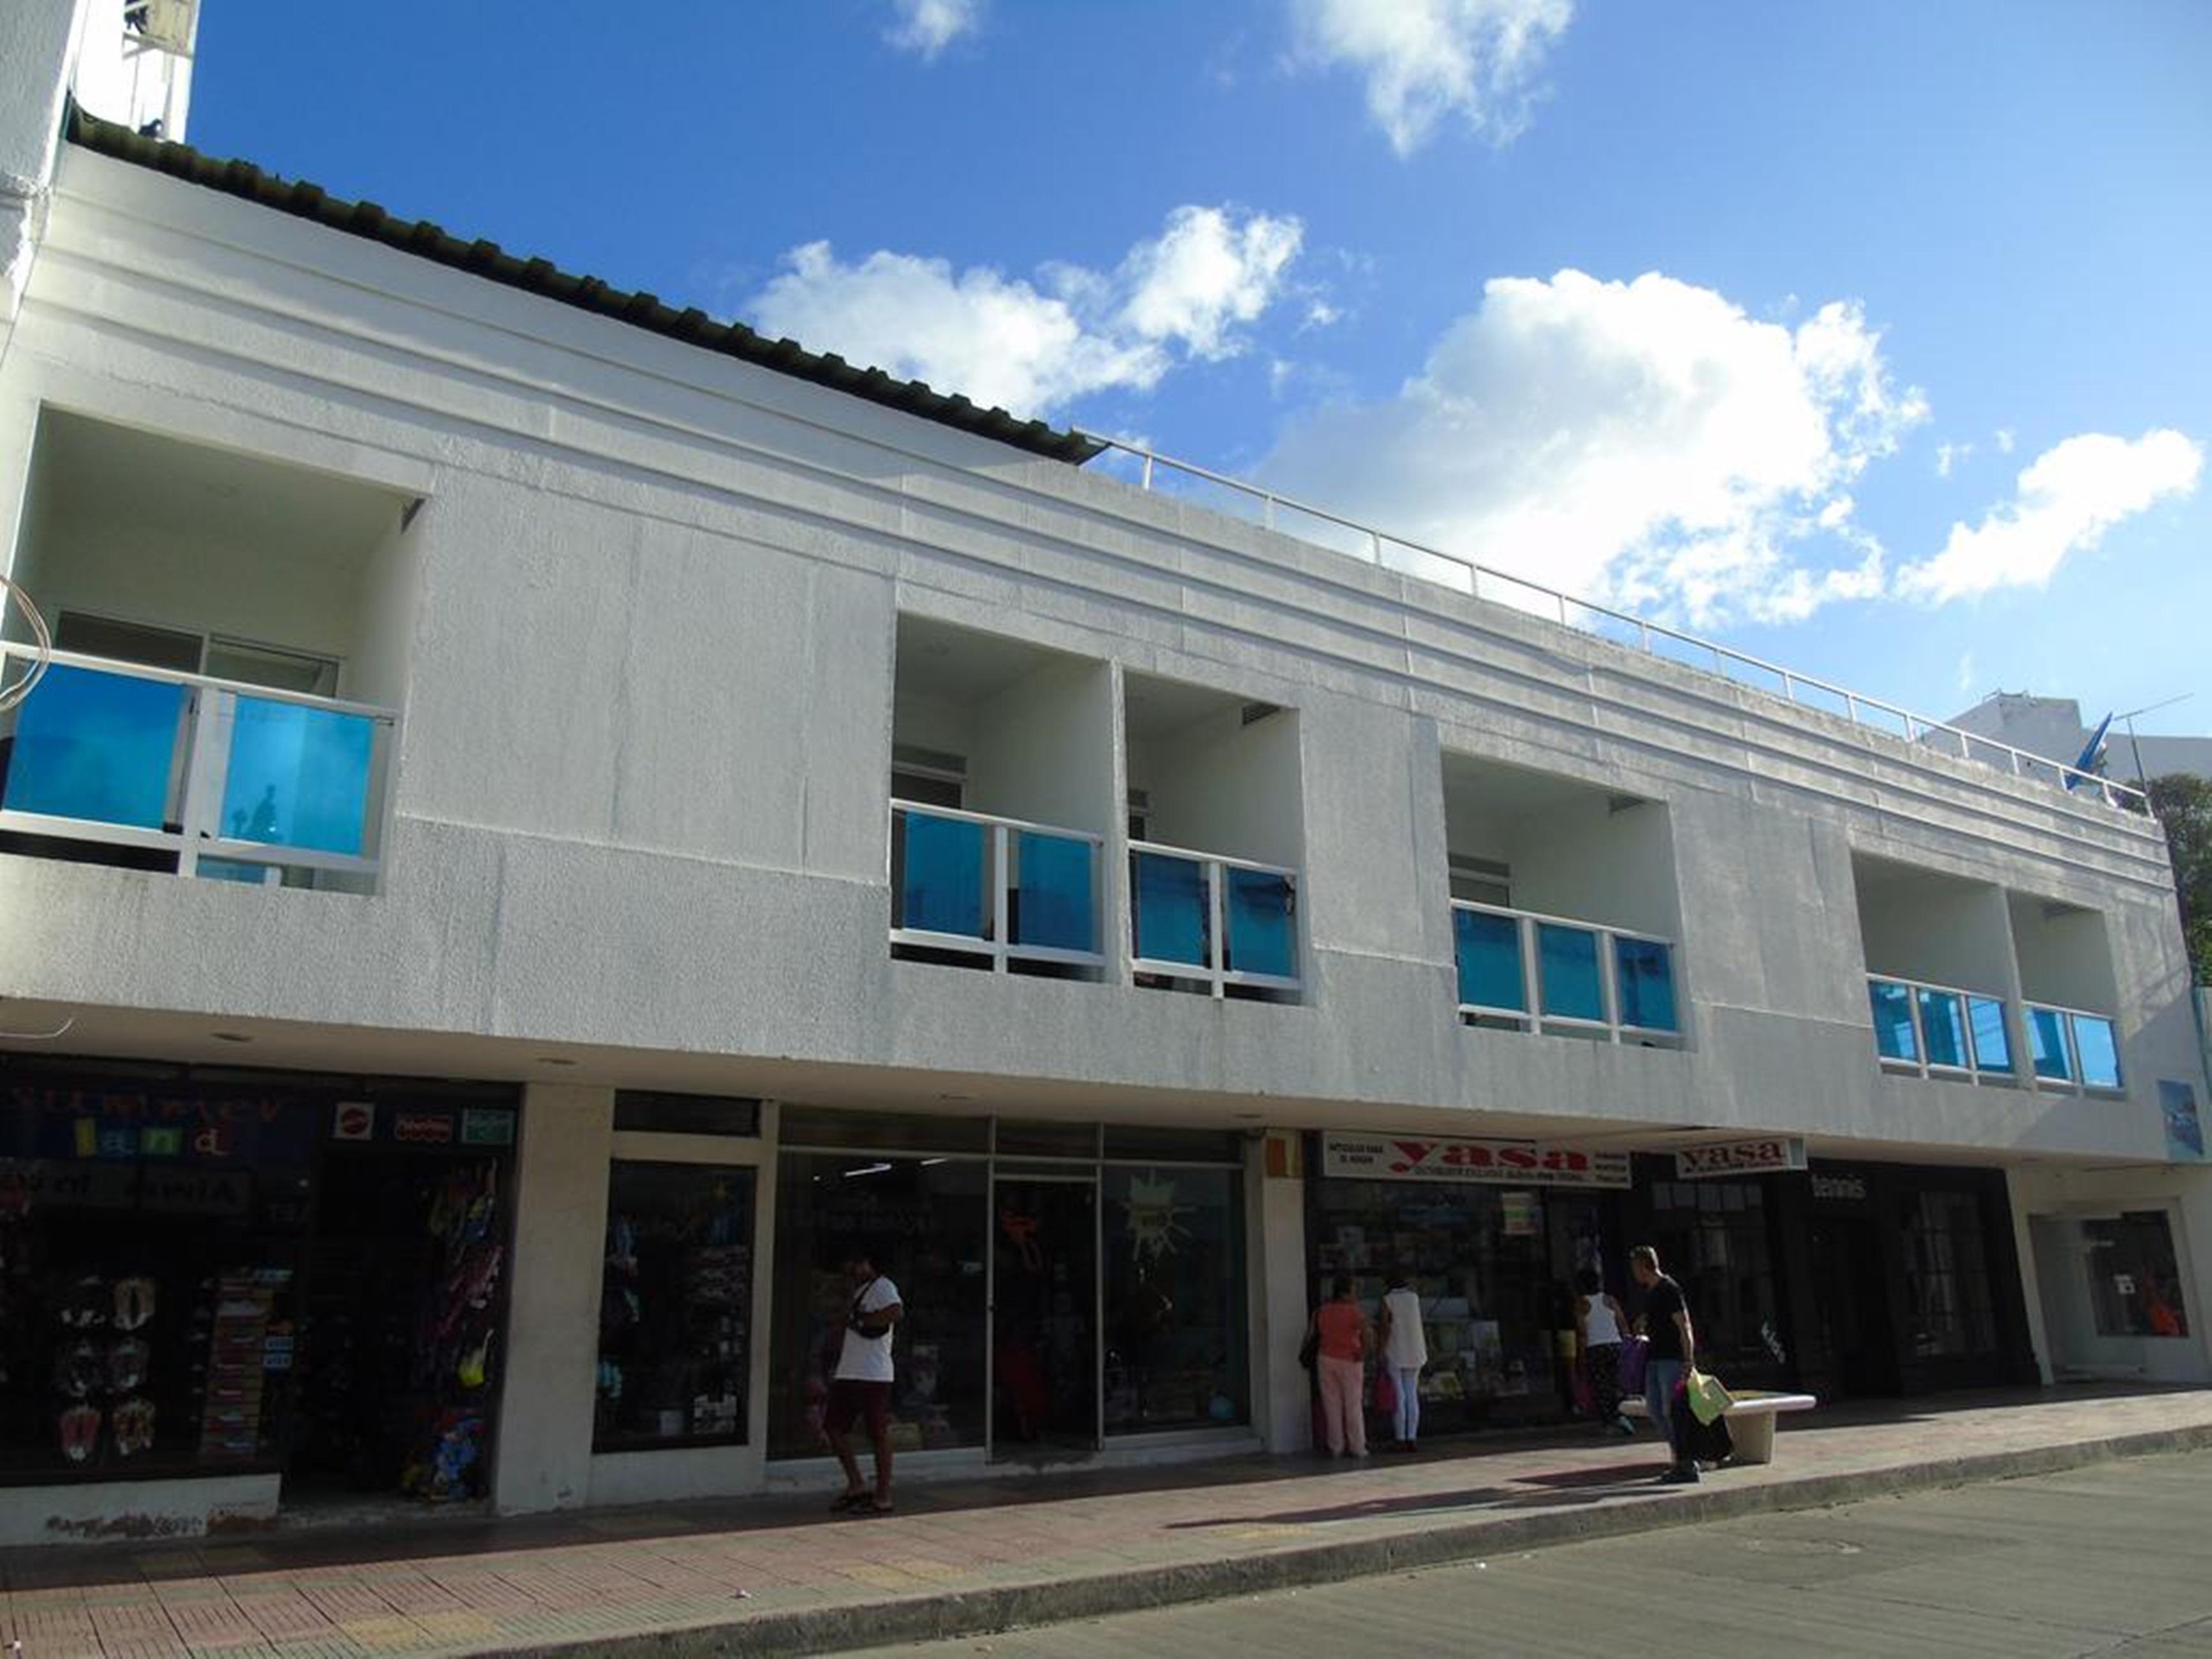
(1923, 926)
(1043, 749)
(2065, 957)
(1219, 785)
(1590, 861)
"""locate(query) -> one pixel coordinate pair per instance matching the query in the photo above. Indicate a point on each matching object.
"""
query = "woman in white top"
(1405, 1351)
(1602, 1325)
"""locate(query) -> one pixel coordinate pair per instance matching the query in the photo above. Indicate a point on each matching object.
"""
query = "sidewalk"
(778, 1575)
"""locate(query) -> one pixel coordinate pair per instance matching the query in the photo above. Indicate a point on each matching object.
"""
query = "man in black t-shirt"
(1666, 1321)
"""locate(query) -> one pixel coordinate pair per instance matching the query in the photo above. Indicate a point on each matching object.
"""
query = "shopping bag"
(1634, 1350)
(1708, 1399)
(1386, 1392)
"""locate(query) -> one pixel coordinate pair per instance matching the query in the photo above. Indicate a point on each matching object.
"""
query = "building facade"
(546, 820)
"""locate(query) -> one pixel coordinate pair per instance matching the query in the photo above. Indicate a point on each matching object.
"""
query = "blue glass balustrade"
(1645, 976)
(96, 746)
(1489, 951)
(1985, 1019)
(1894, 1036)
(2047, 1045)
(1258, 911)
(2096, 1047)
(1943, 1028)
(1171, 908)
(298, 776)
(1567, 970)
(941, 889)
(1057, 908)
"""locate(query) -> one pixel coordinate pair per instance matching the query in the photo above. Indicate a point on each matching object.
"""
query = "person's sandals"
(846, 1502)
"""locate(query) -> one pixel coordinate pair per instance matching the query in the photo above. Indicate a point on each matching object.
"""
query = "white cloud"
(1966, 673)
(1426, 60)
(928, 27)
(2069, 496)
(1646, 442)
(2004, 440)
(1033, 347)
(1949, 456)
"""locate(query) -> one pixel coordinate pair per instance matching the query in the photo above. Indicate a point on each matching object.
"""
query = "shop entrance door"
(1852, 1286)
(1044, 1316)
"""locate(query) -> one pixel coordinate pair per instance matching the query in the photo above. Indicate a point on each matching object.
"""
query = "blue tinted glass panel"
(2097, 1047)
(2046, 1044)
(299, 776)
(1647, 983)
(942, 890)
(1566, 965)
(1943, 1024)
(97, 746)
(1992, 1042)
(1262, 936)
(1054, 908)
(1170, 908)
(1489, 949)
(1893, 1020)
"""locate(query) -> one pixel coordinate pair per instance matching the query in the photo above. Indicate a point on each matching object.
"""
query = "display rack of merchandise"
(675, 1306)
(456, 1330)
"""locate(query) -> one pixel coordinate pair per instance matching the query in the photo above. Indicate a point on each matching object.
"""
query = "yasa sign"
(1763, 1156)
(1519, 1163)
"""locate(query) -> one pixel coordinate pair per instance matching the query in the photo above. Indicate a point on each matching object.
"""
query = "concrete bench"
(1750, 1420)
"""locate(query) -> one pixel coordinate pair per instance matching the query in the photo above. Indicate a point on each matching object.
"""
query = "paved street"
(2109, 1560)
(777, 1574)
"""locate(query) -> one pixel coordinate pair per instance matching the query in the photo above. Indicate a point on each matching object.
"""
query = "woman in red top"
(1345, 1337)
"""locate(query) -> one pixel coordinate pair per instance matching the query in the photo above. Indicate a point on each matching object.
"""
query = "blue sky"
(1869, 338)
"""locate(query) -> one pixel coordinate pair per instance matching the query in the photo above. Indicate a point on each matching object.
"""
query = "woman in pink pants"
(1344, 1338)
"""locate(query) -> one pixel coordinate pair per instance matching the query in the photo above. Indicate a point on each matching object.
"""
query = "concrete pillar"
(546, 1397)
(1282, 1401)
(38, 40)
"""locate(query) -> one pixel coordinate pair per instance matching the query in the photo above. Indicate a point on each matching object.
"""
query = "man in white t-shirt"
(861, 1385)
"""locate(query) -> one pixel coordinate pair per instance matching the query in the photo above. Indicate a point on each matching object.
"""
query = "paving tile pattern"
(441, 1588)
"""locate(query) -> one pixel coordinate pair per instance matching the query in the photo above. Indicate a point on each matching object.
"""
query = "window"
(685, 1114)
(2134, 1288)
(1174, 1298)
(1481, 881)
(1946, 1281)
(215, 655)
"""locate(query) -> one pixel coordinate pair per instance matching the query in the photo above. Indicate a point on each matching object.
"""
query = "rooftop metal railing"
(1337, 533)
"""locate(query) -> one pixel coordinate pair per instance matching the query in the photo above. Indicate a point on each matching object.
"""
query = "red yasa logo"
(1411, 1155)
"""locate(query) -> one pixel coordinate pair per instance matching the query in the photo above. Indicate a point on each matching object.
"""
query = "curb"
(958, 1614)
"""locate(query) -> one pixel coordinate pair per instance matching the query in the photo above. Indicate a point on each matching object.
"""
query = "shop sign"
(1517, 1162)
(1522, 1214)
(354, 1120)
(1734, 1157)
(484, 1126)
(1839, 1189)
(423, 1128)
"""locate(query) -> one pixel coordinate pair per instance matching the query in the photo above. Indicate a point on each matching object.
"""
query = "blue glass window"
(96, 746)
(1168, 895)
(298, 776)
(1259, 908)
(1943, 1025)
(1567, 968)
(1054, 906)
(1489, 950)
(1647, 983)
(941, 889)
(2047, 1046)
(2097, 1047)
(1986, 1017)
(1893, 1020)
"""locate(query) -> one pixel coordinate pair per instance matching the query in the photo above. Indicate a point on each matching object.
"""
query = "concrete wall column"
(1282, 1400)
(545, 1404)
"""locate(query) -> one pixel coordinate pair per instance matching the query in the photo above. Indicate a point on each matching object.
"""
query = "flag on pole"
(2093, 754)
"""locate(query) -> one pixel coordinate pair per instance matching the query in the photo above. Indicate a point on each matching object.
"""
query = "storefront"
(1492, 1236)
(226, 1272)
(1066, 1286)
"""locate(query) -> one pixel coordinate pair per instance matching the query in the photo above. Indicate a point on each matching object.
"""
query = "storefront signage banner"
(1518, 1163)
(1734, 1157)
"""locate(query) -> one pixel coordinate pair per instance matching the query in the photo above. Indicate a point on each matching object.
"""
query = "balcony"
(1227, 925)
(995, 892)
(2073, 1050)
(1521, 971)
(1939, 1030)
(118, 762)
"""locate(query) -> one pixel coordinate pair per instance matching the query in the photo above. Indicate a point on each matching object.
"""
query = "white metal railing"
(234, 780)
(1212, 921)
(1597, 981)
(1942, 1031)
(2074, 1049)
(1281, 512)
(995, 888)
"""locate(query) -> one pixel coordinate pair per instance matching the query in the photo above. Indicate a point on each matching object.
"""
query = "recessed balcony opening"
(1217, 841)
(1002, 802)
(1938, 955)
(231, 641)
(1564, 908)
(2070, 993)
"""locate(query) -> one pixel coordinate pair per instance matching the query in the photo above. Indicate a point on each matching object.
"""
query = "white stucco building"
(2054, 728)
(548, 818)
